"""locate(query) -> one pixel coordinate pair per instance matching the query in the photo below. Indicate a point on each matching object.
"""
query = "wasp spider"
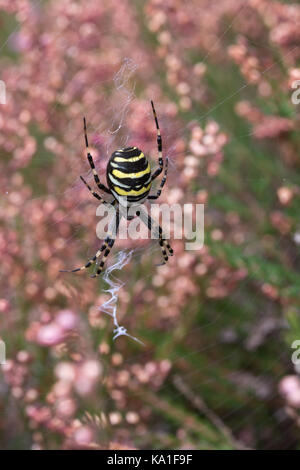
(129, 180)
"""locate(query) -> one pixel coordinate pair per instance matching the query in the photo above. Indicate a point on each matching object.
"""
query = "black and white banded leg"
(156, 232)
(156, 196)
(159, 146)
(91, 162)
(96, 195)
(109, 241)
(105, 247)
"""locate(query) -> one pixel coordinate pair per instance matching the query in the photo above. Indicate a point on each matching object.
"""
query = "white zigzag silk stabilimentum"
(110, 306)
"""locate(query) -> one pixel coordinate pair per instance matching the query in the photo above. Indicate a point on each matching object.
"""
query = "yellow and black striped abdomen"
(129, 175)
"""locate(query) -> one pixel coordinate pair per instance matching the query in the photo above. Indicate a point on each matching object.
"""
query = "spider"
(129, 180)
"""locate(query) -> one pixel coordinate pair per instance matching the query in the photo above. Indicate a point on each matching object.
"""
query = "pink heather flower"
(289, 387)
(285, 195)
(62, 388)
(83, 435)
(23, 356)
(65, 407)
(65, 371)
(66, 319)
(50, 334)
(4, 305)
(271, 127)
(91, 369)
(87, 377)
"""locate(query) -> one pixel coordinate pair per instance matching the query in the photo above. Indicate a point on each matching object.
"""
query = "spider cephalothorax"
(129, 180)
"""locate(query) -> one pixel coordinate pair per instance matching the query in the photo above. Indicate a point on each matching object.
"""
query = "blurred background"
(219, 324)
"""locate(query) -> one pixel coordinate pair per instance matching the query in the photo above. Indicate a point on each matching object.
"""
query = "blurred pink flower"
(87, 376)
(50, 334)
(289, 388)
(66, 319)
(83, 436)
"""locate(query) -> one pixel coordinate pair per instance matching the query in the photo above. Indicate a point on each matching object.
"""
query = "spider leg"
(159, 146)
(96, 195)
(89, 263)
(109, 243)
(161, 184)
(158, 233)
(91, 162)
(106, 245)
